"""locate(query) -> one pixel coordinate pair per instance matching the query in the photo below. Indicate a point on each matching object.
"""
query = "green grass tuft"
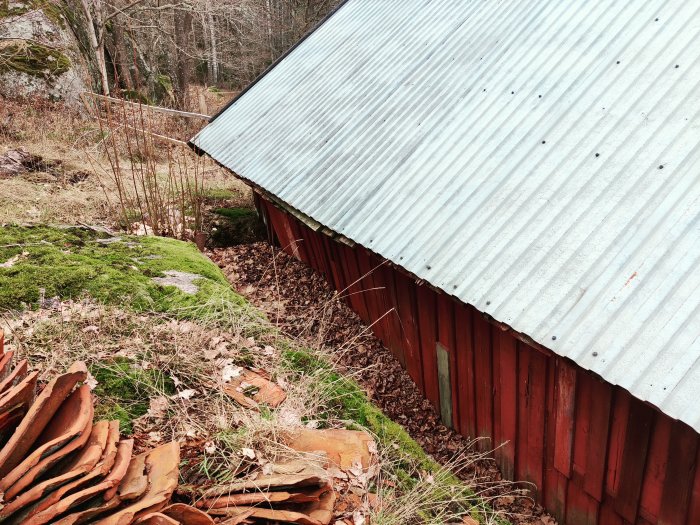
(124, 390)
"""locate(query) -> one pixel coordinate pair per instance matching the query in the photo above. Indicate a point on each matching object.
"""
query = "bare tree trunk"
(183, 29)
(213, 52)
(120, 57)
(96, 37)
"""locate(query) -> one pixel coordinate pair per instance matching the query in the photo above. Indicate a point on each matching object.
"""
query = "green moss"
(34, 59)
(124, 391)
(240, 225)
(54, 10)
(72, 262)
(220, 194)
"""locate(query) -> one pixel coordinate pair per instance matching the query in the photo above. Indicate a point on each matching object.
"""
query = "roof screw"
(544, 142)
(595, 354)
(428, 267)
(661, 166)
(677, 66)
(488, 303)
(618, 61)
(540, 96)
(454, 287)
(656, 20)
(554, 338)
(512, 92)
(597, 154)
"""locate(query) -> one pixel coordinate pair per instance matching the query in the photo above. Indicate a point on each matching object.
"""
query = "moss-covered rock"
(40, 55)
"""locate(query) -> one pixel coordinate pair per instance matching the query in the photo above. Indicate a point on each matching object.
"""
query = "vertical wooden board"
(564, 412)
(694, 503)
(608, 516)
(406, 304)
(393, 320)
(655, 471)
(464, 350)
(319, 254)
(427, 328)
(446, 336)
(581, 509)
(366, 285)
(554, 493)
(506, 378)
(616, 445)
(382, 297)
(496, 437)
(634, 458)
(334, 257)
(483, 374)
(597, 446)
(306, 235)
(680, 473)
(357, 297)
(300, 234)
(554, 497)
(537, 419)
(524, 354)
(278, 225)
(584, 386)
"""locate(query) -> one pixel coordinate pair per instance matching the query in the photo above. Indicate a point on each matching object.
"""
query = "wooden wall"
(596, 454)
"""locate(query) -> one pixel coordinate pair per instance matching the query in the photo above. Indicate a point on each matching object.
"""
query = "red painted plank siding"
(597, 455)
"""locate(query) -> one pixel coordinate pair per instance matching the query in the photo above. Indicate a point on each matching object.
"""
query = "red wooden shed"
(509, 193)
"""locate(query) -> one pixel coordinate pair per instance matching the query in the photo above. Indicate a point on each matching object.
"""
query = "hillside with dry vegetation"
(274, 422)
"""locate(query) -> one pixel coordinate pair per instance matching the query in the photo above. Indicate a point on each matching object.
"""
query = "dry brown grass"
(59, 133)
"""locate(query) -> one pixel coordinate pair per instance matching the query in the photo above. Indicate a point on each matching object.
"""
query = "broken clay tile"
(286, 516)
(187, 515)
(156, 518)
(89, 514)
(253, 498)
(6, 364)
(17, 374)
(135, 480)
(238, 518)
(322, 510)
(103, 467)
(22, 393)
(309, 477)
(38, 416)
(67, 432)
(83, 462)
(344, 448)
(65, 504)
(250, 389)
(162, 467)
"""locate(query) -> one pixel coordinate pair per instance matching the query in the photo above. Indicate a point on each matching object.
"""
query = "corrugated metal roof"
(539, 160)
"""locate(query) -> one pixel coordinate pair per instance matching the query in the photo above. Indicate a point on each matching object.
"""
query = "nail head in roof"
(488, 303)
(677, 66)
(554, 338)
(595, 354)
(512, 92)
(540, 96)
(661, 166)
(597, 154)
(656, 20)
(618, 61)
(544, 142)
(428, 267)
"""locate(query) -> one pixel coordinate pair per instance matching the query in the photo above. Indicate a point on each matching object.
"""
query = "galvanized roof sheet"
(539, 160)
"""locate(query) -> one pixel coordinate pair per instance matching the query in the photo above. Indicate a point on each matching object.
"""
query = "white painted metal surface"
(539, 160)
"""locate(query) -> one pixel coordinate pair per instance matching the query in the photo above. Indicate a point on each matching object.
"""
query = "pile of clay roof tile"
(57, 466)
